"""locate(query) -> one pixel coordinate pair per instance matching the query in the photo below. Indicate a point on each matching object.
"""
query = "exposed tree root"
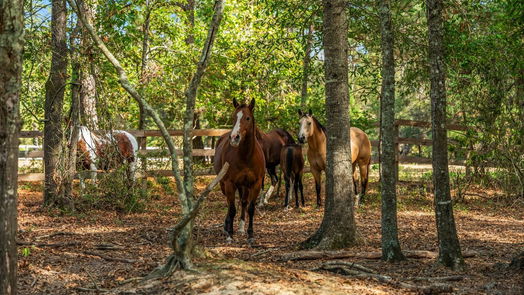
(68, 244)
(344, 268)
(314, 255)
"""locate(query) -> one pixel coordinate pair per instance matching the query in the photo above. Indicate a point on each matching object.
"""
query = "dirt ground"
(61, 253)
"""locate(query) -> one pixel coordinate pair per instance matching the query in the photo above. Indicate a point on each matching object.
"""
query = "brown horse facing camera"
(246, 167)
(312, 132)
(292, 166)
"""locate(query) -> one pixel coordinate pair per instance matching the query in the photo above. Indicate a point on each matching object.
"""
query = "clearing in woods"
(101, 251)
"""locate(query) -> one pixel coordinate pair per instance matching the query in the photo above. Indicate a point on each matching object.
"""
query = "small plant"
(26, 251)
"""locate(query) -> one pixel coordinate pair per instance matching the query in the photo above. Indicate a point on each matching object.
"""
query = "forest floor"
(102, 250)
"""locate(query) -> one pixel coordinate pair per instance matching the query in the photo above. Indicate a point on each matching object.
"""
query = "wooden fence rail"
(142, 135)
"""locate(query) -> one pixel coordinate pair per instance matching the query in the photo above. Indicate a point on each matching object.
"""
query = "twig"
(109, 247)
(130, 280)
(92, 290)
(110, 258)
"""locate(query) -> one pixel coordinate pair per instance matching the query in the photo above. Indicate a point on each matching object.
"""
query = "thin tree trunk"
(11, 49)
(449, 246)
(390, 244)
(338, 229)
(88, 93)
(54, 100)
(305, 67)
(181, 242)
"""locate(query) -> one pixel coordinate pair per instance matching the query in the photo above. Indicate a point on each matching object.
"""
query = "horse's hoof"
(229, 240)
(251, 242)
(287, 208)
(241, 227)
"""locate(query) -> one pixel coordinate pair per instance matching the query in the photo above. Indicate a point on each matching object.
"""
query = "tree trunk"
(88, 93)
(305, 67)
(55, 86)
(338, 229)
(390, 244)
(449, 247)
(11, 47)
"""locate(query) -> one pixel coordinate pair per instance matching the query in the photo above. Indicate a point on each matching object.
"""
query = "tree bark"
(338, 229)
(449, 246)
(54, 100)
(390, 244)
(305, 67)
(11, 49)
(88, 93)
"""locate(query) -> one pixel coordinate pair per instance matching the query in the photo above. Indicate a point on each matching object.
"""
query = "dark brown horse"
(312, 132)
(272, 143)
(246, 167)
(292, 166)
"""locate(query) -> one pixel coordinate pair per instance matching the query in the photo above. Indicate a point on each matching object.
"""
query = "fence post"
(142, 145)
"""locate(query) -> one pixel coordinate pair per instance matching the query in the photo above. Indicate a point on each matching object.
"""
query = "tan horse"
(312, 132)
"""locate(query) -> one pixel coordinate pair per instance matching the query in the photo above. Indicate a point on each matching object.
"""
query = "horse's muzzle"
(235, 140)
(302, 139)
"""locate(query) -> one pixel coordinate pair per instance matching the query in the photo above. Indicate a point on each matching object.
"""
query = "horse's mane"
(283, 133)
(319, 126)
(258, 133)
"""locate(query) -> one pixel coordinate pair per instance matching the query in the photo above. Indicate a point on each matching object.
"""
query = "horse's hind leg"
(296, 184)
(287, 181)
(355, 178)
(274, 179)
(243, 201)
(364, 174)
(250, 231)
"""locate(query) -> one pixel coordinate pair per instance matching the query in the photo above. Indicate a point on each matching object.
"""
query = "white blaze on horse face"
(236, 129)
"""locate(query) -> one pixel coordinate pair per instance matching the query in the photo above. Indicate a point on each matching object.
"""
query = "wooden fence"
(142, 136)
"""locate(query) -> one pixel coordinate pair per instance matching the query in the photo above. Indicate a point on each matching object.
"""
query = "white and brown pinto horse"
(247, 166)
(105, 152)
(312, 132)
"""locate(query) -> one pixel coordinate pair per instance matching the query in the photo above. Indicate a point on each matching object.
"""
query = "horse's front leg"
(229, 191)
(92, 172)
(317, 175)
(274, 179)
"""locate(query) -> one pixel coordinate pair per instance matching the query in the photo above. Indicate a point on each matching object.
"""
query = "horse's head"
(243, 120)
(306, 122)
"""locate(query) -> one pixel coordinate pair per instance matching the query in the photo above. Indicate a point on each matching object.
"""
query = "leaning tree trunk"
(181, 241)
(54, 100)
(338, 229)
(390, 244)
(11, 47)
(449, 246)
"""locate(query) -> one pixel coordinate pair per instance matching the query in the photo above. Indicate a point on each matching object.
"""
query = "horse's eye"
(309, 123)
(248, 118)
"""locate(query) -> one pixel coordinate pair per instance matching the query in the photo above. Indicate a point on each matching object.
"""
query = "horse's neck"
(317, 142)
(246, 149)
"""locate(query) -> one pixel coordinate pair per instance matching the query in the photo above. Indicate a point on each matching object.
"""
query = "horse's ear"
(252, 104)
(235, 103)
(300, 113)
(310, 112)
